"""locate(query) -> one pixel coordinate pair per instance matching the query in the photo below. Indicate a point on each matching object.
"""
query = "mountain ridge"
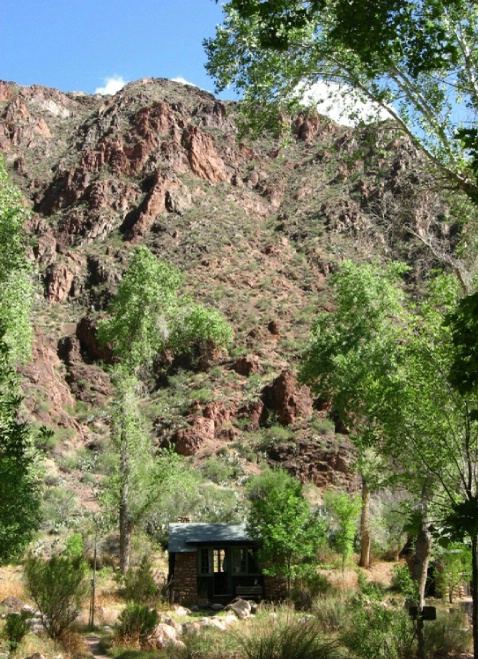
(256, 226)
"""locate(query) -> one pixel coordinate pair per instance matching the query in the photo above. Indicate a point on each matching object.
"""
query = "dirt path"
(93, 643)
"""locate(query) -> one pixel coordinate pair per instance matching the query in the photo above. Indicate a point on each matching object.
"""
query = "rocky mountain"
(256, 226)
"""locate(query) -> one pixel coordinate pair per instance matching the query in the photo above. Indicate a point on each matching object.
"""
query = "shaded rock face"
(324, 464)
(214, 422)
(91, 349)
(247, 365)
(287, 399)
(87, 382)
(188, 441)
(44, 374)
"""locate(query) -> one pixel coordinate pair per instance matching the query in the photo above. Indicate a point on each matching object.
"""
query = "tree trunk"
(420, 571)
(365, 526)
(125, 528)
(125, 525)
(474, 592)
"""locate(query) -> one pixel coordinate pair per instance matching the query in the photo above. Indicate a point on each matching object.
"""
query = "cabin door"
(222, 577)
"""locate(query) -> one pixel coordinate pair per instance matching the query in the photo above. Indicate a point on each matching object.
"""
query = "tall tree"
(401, 394)
(416, 60)
(147, 316)
(352, 351)
(16, 289)
(19, 483)
(19, 487)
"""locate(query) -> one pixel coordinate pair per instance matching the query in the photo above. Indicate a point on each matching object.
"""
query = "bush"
(379, 632)
(332, 613)
(403, 583)
(308, 588)
(371, 590)
(289, 639)
(58, 587)
(136, 623)
(448, 636)
(139, 584)
(16, 627)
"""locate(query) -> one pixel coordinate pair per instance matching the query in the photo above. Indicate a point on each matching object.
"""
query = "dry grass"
(11, 584)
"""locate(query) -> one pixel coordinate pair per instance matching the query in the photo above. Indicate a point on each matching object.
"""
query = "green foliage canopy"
(417, 60)
(148, 314)
(282, 521)
(16, 290)
(19, 484)
(19, 487)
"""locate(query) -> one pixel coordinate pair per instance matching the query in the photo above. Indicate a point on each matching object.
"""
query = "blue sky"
(78, 45)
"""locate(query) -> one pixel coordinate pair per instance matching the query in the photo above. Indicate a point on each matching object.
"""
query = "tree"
(141, 476)
(147, 316)
(282, 522)
(401, 395)
(19, 486)
(345, 509)
(16, 289)
(352, 351)
(416, 60)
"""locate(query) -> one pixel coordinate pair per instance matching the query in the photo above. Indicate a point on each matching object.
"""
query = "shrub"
(16, 627)
(139, 584)
(371, 590)
(136, 623)
(403, 583)
(58, 588)
(379, 632)
(309, 587)
(448, 636)
(332, 613)
(289, 639)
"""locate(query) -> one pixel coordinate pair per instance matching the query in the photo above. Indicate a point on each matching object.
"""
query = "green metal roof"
(186, 537)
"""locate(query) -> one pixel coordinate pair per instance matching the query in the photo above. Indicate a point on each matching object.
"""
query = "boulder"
(247, 365)
(188, 441)
(12, 603)
(162, 635)
(242, 608)
(289, 400)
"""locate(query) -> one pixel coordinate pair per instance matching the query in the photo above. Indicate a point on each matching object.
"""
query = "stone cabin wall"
(185, 584)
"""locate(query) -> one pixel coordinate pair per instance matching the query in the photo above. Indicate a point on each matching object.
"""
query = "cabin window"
(205, 560)
(245, 561)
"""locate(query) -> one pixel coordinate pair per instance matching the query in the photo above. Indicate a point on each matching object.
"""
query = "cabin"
(215, 563)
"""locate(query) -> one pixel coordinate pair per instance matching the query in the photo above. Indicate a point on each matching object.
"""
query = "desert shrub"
(447, 636)
(306, 589)
(74, 644)
(371, 590)
(331, 613)
(402, 582)
(379, 632)
(16, 627)
(218, 471)
(140, 585)
(58, 587)
(135, 624)
(288, 639)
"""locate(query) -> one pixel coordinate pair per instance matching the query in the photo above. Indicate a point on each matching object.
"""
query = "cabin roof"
(186, 537)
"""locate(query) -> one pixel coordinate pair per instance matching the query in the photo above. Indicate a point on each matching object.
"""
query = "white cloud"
(343, 104)
(112, 85)
(183, 81)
